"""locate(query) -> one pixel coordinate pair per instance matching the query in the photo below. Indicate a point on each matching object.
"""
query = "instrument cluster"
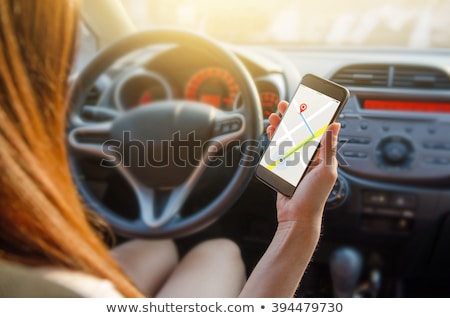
(210, 85)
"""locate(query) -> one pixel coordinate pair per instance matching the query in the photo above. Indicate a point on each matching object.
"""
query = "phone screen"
(299, 133)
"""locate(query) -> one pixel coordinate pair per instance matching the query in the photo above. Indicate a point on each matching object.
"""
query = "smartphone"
(316, 104)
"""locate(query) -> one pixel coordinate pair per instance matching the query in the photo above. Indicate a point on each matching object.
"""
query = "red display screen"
(407, 106)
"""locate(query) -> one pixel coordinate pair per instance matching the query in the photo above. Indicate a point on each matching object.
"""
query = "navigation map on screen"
(295, 140)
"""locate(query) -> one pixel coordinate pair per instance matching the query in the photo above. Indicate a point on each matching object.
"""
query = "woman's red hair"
(42, 219)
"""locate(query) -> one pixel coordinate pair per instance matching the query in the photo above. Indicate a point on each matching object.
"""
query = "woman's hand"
(308, 201)
(281, 268)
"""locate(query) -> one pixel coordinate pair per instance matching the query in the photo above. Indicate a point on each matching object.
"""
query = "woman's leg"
(213, 268)
(148, 263)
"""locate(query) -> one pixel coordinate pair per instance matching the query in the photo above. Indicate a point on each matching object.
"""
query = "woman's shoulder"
(82, 283)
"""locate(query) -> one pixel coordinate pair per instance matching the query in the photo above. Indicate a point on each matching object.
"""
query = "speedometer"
(214, 86)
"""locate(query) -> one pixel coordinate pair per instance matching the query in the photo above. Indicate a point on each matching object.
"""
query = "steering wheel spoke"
(92, 115)
(158, 207)
(91, 140)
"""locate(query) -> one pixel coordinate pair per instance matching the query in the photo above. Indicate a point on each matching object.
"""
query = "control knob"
(338, 194)
(395, 152)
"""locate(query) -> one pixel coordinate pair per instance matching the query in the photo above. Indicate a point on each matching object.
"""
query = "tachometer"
(141, 87)
(214, 86)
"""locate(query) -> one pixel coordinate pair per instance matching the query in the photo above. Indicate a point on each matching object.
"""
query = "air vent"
(371, 75)
(420, 77)
(395, 76)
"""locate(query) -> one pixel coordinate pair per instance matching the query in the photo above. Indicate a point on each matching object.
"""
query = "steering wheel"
(129, 138)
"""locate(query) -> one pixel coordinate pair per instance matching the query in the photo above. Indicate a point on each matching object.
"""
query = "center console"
(394, 173)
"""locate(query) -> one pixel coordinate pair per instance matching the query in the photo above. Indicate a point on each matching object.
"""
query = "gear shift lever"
(345, 269)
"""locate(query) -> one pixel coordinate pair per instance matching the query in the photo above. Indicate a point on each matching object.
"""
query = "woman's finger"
(282, 106)
(329, 144)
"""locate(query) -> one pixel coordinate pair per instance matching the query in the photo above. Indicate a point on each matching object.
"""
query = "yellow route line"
(317, 134)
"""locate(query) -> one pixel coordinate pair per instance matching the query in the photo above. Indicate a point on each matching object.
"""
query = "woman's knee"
(139, 248)
(213, 268)
(220, 250)
(148, 263)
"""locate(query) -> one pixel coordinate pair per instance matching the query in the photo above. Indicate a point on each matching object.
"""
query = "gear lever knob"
(345, 270)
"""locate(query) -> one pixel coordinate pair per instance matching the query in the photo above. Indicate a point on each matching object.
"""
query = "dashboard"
(391, 202)
(193, 78)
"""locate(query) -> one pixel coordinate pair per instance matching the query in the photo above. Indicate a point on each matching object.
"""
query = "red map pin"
(303, 107)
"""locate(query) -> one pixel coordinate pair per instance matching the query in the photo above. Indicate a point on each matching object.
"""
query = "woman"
(43, 223)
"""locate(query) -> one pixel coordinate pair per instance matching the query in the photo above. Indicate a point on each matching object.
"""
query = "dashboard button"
(350, 154)
(388, 212)
(375, 198)
(433, 145)
(362, 155)
(226, 127)
(235, 125)
(355, 154)
(431, 130)
(359, 140)
(400, 200)
(355, 140)
(437, 161)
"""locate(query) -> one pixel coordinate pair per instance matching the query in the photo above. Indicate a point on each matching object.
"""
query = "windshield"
(385, 23)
